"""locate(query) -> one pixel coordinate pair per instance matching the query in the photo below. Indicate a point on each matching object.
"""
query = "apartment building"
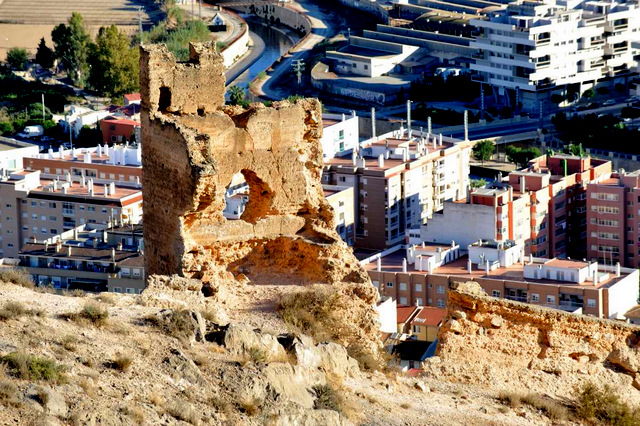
(399, 183)
(32, 207)
(613, 219)
(341, 199)
(530, 49)
(12, 152)
(543, 207)
(119, 130)
(583, 287)
(104, 164)
(72, 265)
(340, 134)
(420, 322)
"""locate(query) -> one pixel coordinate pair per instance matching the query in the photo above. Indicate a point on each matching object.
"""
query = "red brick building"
(119, 130)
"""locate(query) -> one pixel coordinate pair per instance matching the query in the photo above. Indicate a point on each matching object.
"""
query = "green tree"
(236, 95)
(589, 94)
(483, 150)
(17, 58)
(574, 149)
(114, 63)
(477, 183)
(45, 55)
(72, 44)
(6, 127)
(521, 156)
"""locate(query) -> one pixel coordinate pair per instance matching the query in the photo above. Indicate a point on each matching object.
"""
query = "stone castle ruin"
(193, 145)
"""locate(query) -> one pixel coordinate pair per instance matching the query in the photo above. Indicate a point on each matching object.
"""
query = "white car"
(609, 102)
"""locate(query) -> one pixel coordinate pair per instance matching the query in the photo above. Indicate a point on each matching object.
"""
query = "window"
(117, 289)
(390, 284)
(416, 329)
(91, 208)
(591, 303)
(104, 210)
(52, 205)
(131, 291)
(535, 297)
(440, 289)
(440, 303)
(34, 216)
(53, 231)
(403, 300)
(551, 299)
(496, 293)
(403, 286)
(418, 287)
(43, 218)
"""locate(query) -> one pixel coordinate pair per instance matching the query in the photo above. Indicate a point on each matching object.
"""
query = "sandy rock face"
(193, 147)
(511, 344)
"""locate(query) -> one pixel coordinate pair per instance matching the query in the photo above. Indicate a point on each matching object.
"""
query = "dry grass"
(182, 410)
(31, 367)
(107, 298)
(9, 394)
(88, 387)
(136, 414)
(90, 313)
(250, 407)
(122, 362)
(70, 343)
(16, 276)
(320, 311)
(603, 406)
(14, 310)
(74, 293)
(45, 289)
(550, 408)
(178, 324)
(157, 400)
(332, 396)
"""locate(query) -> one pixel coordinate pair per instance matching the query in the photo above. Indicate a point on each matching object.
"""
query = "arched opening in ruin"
(247, 197)
(165, 99)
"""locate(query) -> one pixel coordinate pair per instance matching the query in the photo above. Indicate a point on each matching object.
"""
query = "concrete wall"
(275, 14)
(371, 7)
(463, 223)
(236, 48)
(11, 159)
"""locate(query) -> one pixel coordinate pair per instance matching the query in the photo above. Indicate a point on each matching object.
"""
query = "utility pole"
(298, 67)
(193, 13)
(43, 110)
(541, 116)
(481, 101)
(200, 8)
(140, 22)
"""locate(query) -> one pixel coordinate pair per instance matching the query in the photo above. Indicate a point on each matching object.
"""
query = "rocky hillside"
(170, 356)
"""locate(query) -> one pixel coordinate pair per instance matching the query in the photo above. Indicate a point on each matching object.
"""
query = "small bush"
(512, 399)
(547, 406)
(42, 396)
(31, 367)
(16, 276)
(257, 355)
(326, 398)
(602, 405)
(107, 298)
(92, 313)
(250, 407)
(179, 324)
(70, 342)
(12, 310)
(122, 362)
(184, 411)
(134, 413)
(8, 393)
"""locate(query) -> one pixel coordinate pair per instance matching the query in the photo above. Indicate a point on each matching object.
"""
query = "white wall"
(463, 223)
(623, 296)
(388, 315)
(332, 137)
(11, 159)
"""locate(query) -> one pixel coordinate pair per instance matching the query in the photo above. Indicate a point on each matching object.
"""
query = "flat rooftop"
(7, 144)
(77, 253)
(458, 268)
(79, 190)
(79, 158)
(326, 122)
(367, 53)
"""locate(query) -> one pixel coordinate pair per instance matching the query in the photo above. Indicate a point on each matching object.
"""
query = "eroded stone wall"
(192, 147)
(502, 343)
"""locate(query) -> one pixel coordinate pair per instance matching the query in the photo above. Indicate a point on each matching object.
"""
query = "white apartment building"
(340, 134)
(530, 50)
(12, 152)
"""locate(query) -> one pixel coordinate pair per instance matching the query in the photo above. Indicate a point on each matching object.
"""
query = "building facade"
(12, 153)
(40, 209)
(399, 183)
(613, 220)
(530, 49)
(341, 199)
(340, 134)
(543, 207)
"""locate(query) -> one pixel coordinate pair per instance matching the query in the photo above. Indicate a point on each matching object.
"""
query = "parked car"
(609, 102)
(632, 99)
(31, 132)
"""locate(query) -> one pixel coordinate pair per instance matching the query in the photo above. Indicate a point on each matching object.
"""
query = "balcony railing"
(516, 298)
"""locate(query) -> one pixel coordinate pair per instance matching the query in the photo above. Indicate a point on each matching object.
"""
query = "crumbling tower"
(192, 147)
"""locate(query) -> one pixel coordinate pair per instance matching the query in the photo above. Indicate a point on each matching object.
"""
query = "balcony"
(516, 298)
(69, 212)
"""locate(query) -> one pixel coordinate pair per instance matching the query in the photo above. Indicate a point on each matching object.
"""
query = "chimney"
(50, 154)
(61, 152)
(617, 269)
(95, 243)
(440, 142)
(486, 266)
(113, 254)
(373, 124)
(435, 141)
(530, 258)
(381, 161)
(354, 157)
(73, 154)
(87, 157)
(379, 264)
(106, 149)
(404, 265)
(69, 251)
(99, 150)
(106, 190)
(468, 266)
(75, 233)
(68, 177)
(120, 246)
(55, 184)
(523, 185)
(595, 275)
(112, 188)
(64, 189)
(58, 246)
(453, 243)
(34, 239)
(343, 117)
(46, 246)
(353, 113)
(138, 179)
(83, 181)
